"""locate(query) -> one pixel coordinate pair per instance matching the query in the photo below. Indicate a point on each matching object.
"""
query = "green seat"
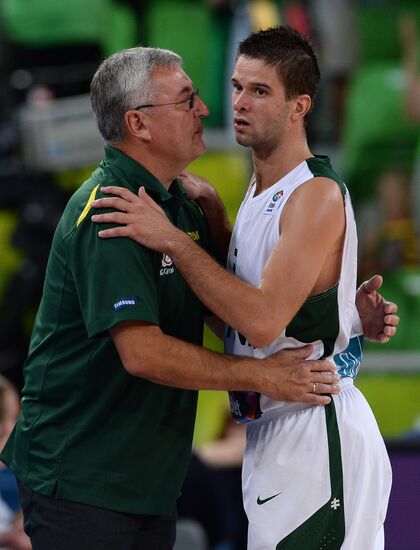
(379, 39)
(403, 288)
(44, 23)
(48, 22)
(120, 31)
(378, 30)
(377, 134)
(199, 35)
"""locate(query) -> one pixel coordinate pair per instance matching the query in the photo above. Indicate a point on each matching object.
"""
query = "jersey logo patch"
(264, 500)
(269, 209)
(125, 302)
(167, 265)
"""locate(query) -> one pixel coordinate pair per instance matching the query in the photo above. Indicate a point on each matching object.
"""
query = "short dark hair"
(290, 54)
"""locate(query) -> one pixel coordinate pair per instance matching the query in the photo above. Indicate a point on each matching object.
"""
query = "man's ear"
(302, 104)
(136, 125)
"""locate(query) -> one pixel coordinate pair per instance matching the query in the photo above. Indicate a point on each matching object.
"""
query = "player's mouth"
(240, 123)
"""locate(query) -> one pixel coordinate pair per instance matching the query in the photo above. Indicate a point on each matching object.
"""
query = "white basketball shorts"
(318, 478)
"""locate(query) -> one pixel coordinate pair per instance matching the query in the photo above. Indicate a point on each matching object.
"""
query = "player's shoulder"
(316, 190)
(323, 174)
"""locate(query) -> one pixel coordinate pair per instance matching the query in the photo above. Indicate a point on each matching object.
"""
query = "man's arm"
(145, 222)
(259, 313)
(147, 352)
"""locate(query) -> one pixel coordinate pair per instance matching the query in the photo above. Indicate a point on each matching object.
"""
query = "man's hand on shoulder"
(138, 217)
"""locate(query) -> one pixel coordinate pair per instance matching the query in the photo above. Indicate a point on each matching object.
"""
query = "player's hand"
(378, 316)
(138, 217)
(292, 377)
(196, 187)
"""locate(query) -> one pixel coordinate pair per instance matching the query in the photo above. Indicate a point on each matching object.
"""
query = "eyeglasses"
(190, 99)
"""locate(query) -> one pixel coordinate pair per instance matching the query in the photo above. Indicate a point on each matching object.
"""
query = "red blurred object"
(296, 16)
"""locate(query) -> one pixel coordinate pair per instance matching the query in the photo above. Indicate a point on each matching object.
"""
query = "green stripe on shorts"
(325, 528)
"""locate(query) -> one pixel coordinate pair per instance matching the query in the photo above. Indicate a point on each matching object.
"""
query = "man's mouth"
(239, 123)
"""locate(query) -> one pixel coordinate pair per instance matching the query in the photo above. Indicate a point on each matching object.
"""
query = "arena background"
(366, 118)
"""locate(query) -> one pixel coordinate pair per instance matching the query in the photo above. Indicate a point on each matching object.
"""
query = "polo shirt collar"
(137, 175)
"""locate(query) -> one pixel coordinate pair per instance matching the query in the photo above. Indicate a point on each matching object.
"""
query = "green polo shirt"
(89, 431)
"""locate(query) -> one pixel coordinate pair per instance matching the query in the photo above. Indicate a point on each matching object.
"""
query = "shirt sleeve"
(114, 278)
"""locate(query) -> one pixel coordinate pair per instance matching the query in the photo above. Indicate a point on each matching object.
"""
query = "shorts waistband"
(292, 408)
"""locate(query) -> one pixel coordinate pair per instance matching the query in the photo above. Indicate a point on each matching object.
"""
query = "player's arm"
(259, 313)
(147, 352)
(378, 316)
(145, 222)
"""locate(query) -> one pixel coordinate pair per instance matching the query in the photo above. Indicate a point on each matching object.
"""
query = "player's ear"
(302, 105)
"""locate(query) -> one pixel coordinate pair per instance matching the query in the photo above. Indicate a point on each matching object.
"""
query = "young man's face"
(176, 129)
(261, 112)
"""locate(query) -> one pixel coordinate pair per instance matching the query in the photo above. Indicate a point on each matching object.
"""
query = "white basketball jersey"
(324, 320)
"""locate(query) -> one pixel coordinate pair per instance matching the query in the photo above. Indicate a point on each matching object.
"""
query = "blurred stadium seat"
(60, 44)
(199, 35)
(377, 134)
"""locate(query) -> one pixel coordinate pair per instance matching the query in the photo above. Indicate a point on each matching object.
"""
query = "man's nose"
(240, 101)
(200, 107)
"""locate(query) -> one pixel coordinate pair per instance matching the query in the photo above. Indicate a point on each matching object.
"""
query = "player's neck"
(270, 169)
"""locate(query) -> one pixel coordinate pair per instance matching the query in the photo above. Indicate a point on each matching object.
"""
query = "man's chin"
(242, 140)
(199, 149)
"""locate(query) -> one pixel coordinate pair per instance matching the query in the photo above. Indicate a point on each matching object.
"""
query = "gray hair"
(123, 81)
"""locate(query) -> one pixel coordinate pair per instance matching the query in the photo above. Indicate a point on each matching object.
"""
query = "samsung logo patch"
(124, 302)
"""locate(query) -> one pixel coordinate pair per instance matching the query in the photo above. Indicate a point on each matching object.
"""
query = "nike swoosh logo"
(264, 500)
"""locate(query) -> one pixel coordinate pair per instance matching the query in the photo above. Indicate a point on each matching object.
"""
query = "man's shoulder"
(79, 203)
(320, 167)
(99, 177)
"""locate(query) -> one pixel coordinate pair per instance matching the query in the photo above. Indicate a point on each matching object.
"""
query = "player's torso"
(325, 319)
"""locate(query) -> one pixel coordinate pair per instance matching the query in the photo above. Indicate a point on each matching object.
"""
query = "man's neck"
(165, 174)
(269, 170)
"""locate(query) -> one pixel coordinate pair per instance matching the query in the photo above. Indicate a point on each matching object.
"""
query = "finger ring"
(313, 387)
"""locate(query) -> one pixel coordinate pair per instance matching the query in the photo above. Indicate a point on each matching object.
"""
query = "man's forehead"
(253, 69)
(173, 78)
